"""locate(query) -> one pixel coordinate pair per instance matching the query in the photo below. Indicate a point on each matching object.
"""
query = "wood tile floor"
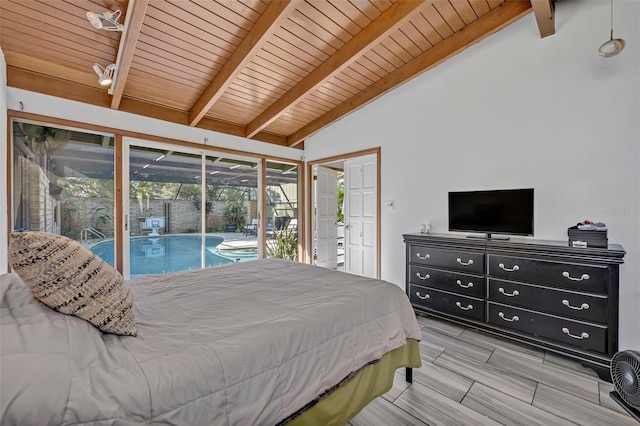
(472, 378)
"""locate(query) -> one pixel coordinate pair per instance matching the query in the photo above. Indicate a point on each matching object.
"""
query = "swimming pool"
(167, 253)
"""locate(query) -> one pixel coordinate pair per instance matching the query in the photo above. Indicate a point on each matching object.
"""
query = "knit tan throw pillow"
(71, 279)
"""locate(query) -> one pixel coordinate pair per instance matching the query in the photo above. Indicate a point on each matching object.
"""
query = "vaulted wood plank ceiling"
(275, 71)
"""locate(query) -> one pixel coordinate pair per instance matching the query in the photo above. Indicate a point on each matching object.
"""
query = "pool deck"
(236, 240)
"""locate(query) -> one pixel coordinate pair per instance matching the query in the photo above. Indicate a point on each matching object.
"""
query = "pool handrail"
(84, 234)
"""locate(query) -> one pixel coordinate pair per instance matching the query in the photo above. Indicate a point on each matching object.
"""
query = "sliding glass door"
(282, 211)
(186, 208)
(232, 208)
(181, 208)
(164, 215)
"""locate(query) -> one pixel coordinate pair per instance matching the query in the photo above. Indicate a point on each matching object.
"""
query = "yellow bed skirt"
(353, 395)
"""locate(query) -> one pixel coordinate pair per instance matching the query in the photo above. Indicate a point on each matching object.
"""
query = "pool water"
(166, 253)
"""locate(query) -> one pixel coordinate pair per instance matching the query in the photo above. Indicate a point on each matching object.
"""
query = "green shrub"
(284, 244)
(234, 213)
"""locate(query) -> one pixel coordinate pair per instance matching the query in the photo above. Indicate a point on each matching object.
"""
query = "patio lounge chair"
(251, 228)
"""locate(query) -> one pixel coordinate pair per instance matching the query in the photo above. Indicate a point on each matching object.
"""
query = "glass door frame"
(128, 142)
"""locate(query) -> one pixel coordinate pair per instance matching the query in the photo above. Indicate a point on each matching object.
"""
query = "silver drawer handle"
(584, 334)
(515, 268)
(426, 256)
(464, 286)
(426, 277)
(470, 262)
(426, 296)
(565, 302)
(459, 305)
(515, 292)
(583, 277)
(514, 318)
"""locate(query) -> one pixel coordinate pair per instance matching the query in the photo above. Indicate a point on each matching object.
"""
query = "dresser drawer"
(447, 302)
(575, 333)
(448, 259)
(455, 282)
(584, 306)
(589, 278)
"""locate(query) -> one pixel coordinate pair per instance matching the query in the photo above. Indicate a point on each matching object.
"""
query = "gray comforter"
(244, 344)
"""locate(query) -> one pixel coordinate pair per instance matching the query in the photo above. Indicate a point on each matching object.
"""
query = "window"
(63, 182)
(282, 211)
(172, 195)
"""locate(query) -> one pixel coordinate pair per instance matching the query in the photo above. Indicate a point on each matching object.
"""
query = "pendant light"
(613, 46)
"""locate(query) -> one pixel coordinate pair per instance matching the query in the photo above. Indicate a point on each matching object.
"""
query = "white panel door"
(361, 216)
(326, 187)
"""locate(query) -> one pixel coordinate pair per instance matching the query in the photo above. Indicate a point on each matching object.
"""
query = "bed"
(265, 342)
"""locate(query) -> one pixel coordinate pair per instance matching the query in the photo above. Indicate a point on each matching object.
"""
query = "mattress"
(247, 343)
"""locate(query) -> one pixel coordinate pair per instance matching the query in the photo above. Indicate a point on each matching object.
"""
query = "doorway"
(353, 243)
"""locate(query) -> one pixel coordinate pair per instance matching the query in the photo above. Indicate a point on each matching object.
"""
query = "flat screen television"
(504, 211)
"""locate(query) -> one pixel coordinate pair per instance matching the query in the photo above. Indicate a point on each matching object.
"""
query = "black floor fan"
(625, 373)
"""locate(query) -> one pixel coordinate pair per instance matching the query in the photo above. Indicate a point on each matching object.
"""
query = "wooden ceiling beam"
(135, 15)
(484, 26)
(40, 83)
(394, 17)
(27, 80)
(42, 66)
(545, 16)
(268, 23)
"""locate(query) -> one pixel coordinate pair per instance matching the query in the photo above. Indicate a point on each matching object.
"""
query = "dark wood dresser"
(544, 293)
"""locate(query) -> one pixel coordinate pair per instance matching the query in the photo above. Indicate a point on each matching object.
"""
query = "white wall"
(51, 106)
(516, 111)
(3, 160)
